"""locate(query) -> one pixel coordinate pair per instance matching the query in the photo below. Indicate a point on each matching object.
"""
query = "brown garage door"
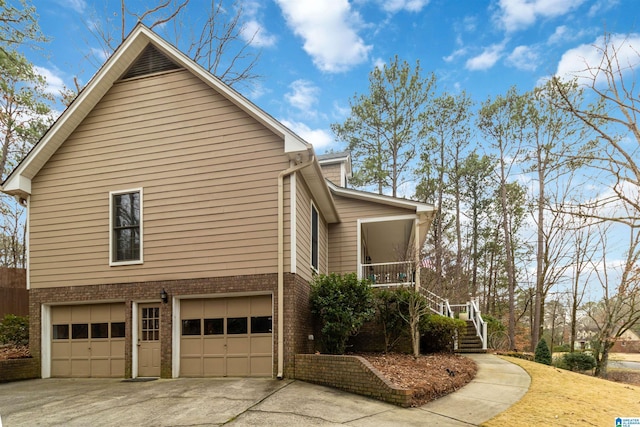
(226, 337)
(88, 340)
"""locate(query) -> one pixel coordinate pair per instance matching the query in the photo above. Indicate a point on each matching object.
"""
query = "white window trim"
(113, 263)
(314, 268)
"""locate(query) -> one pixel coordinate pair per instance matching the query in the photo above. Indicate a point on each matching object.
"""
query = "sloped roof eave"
(19, 180)
(418, 207)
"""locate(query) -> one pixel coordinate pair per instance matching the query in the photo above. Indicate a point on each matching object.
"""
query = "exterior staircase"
(469, 341)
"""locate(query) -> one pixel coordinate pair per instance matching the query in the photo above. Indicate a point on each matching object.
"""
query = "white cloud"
(486, 59)
(329, 30)
(303, 95)
(564, 34)
(319, 138)
(394, 6)
(257, 35)
(379, 63)
(455, 54)
(78, 5)
(253, 31)
(516, 15)
(601, 6)
(524, 58)
(581, 61)
(54, 82)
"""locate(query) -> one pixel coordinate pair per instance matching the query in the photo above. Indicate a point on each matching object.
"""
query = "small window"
(99, 330)
(213, 326)
(261, 324)
(79, 331)
(117, 330)
(314, 238)
(60, 332)
(126, 227)
(236, 325)
(191, 327)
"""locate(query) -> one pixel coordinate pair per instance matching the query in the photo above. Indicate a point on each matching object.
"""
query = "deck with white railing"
(402, 273)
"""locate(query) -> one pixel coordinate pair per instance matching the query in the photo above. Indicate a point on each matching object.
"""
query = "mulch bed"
(429, 376)
(14, 352)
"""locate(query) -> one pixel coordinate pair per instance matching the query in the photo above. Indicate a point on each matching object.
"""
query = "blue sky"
(317, 54)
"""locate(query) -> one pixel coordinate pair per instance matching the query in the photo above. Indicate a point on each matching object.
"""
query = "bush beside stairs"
(469, 341)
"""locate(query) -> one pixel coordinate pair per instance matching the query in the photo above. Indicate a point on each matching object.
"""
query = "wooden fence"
(14, 298)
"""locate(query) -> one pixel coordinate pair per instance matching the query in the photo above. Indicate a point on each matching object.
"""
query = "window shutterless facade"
(126, 227)
(315, 248)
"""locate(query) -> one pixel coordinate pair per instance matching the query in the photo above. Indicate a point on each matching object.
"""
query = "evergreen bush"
(14, 330)
(439, 333)
(542, 353)
(578, 361)
(342, 304)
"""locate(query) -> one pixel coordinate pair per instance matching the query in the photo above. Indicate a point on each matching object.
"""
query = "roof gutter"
(281, 177)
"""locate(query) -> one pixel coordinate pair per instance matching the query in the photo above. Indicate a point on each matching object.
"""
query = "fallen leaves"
(429, 376)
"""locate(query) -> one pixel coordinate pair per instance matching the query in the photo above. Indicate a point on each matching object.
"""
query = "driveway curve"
(249, 402)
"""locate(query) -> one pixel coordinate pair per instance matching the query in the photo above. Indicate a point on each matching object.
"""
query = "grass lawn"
(563, 398)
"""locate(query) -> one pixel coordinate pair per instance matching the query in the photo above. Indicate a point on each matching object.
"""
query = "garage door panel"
(191, 366)
(60, 368)
(261, 366)
(214, 366)
(213, 346)
(215, 307)
(261, 306)
(261, 345)
(80, 368)
(191, 346)
(100, 368)
(238, 345)
(80, 349)
(237, 366)
(238, 307)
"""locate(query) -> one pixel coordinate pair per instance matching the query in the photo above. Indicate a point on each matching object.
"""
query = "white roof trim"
(385, 200)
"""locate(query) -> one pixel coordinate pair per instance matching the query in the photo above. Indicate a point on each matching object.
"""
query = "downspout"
(281, 176)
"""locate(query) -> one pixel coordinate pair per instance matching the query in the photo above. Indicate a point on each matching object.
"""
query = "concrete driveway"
(248, 402)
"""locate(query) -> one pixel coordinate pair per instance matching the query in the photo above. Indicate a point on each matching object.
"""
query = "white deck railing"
(388, 273)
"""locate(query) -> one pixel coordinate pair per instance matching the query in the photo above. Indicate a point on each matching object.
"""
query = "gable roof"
(18, 183)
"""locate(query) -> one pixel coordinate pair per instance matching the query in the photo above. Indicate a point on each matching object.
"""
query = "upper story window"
(126, 227)
(314, 238)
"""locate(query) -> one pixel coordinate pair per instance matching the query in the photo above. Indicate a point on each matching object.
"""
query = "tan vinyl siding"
(303, 233)
(343, 247)
(333, 172)
(209, 177)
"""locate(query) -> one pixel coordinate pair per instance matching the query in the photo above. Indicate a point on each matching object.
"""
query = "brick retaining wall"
(19, 369)
(350, 373)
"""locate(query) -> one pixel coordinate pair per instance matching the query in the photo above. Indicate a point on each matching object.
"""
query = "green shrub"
(14, 330)
(562, 348)
(577, 361)
(388, 317)
(439, 333)
(524, 356)
(542, 353)
(342, 304)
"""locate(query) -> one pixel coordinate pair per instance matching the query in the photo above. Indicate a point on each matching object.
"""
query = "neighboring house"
(174, 227)
(14, 298)
(629, 342)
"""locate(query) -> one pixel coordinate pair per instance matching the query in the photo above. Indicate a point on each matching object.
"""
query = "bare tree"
(613, 118)
(218, 38)
(619, 309)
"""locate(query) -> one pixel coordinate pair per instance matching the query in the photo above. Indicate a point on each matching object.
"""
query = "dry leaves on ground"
(14, 352)
(429, 376)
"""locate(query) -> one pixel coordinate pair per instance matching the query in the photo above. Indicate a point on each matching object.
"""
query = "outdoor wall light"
(164, 296)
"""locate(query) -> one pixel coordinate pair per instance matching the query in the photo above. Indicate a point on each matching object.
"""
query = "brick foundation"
(19, 369)
(297, 322)
(350, 373)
